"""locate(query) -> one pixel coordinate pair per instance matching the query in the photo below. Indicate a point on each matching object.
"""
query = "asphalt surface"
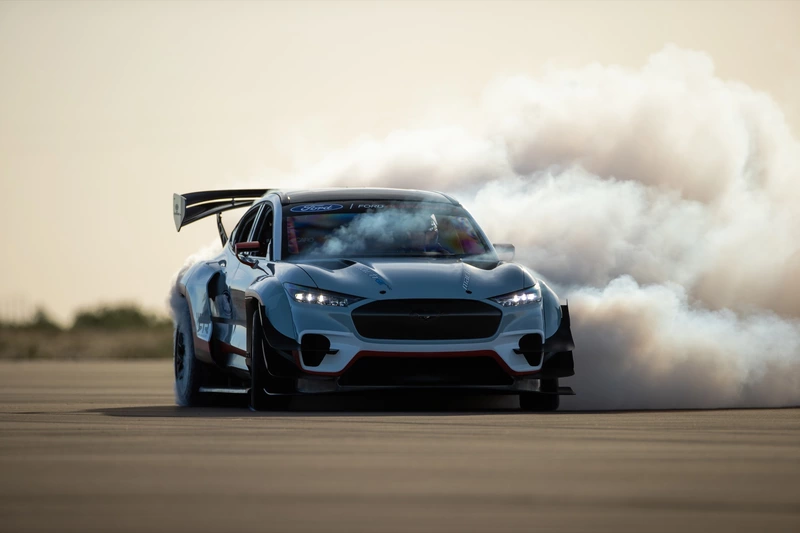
(101, 447)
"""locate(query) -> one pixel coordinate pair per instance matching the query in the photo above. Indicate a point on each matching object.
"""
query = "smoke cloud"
(662, 202)
(176, 302)
(379, 230)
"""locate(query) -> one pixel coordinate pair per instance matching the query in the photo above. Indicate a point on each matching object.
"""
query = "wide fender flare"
(268, 294)
(194, 285)
(551, 310)
(558, 332)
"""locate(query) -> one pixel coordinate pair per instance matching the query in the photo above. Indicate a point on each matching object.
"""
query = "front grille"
(430, 371)
(427, 320)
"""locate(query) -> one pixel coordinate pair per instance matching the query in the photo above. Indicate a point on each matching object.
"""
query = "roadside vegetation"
(121, 331)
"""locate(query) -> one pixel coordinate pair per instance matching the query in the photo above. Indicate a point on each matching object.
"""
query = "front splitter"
(331, 385)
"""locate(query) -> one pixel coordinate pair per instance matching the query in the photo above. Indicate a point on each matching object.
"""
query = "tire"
(259, 399)
(535, 402)
(188, 370)
(541, 402)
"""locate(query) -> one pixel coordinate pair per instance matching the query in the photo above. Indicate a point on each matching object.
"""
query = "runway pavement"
(99, 446)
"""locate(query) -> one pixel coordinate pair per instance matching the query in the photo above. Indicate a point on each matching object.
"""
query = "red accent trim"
(474, 353)
(200, 343)
(229, 348)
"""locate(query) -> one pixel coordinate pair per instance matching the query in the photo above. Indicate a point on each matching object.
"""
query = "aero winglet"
(193, 206)
(178, 210)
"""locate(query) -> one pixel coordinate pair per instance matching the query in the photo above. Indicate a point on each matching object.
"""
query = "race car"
(361, 289)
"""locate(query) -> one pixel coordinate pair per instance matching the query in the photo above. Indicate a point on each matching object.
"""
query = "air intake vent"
(314, 348)
(530, 346)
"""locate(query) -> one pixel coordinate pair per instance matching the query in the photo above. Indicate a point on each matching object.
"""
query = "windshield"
(362, 229)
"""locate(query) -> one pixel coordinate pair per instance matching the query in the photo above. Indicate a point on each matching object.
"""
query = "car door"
(231, 303)
(245, 274)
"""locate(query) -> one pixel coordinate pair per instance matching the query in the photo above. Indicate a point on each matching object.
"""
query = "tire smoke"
(175, 299)
(661, 202)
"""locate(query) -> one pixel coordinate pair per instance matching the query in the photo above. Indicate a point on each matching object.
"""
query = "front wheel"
(541, 402)
(536, 402)
(259, 399)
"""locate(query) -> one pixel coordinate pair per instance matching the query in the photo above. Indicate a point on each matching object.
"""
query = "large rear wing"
(192, 206)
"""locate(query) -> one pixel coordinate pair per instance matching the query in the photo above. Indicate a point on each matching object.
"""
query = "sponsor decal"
(319, 208)
(379, 280)
(367, 206)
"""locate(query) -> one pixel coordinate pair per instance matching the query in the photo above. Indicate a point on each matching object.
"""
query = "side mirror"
(251, 246)
(505, 251)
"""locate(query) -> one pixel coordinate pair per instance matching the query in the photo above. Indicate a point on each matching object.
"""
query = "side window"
(241, 232)
(263, 233)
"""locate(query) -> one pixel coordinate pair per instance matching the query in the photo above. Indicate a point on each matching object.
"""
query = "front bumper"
(347, 348)
(336, 324)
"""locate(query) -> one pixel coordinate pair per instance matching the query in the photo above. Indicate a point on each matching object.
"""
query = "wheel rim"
(180, 356)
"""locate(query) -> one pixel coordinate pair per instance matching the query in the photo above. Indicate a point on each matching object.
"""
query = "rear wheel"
(188, 370)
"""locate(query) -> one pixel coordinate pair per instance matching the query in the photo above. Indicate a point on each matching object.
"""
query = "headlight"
(527, 296)
(307, 295)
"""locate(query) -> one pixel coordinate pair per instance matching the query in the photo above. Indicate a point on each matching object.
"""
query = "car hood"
(417, 277)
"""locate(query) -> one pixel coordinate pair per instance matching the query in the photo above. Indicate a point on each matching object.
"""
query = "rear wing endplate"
(192, 206)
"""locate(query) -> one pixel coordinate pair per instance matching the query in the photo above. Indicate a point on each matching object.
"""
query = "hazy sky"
(107, 108)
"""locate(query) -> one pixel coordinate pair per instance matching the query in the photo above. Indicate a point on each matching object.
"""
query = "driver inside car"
(428, 239)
